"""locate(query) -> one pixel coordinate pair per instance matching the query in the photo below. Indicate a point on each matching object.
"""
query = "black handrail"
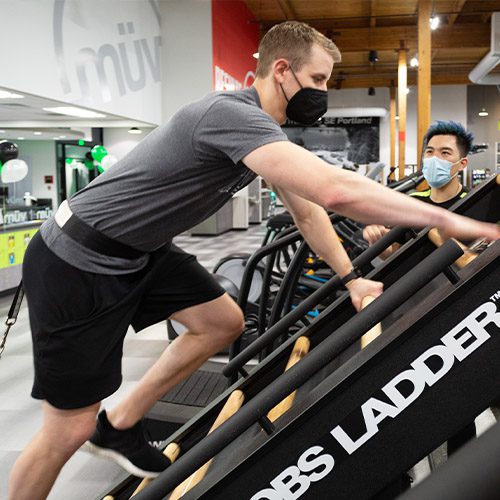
(254, 260)
(265, 294)
(286, 290)
(394, 235)
(296, 376)
(289, 282)
(410, 182)
(283, 239)
(250, 268)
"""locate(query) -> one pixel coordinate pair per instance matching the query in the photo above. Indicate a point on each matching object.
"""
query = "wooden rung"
(462, 261)
(233, 404)
(300, 349)
(374, 331)
(172, 452)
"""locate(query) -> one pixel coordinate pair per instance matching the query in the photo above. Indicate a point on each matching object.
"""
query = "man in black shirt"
(445, 156)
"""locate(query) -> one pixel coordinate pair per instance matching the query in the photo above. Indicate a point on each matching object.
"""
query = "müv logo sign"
(100, 54)
(429, 367)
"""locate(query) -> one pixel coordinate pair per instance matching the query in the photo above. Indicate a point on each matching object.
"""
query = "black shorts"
(79, 319)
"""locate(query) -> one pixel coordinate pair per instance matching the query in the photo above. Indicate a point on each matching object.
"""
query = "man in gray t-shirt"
(104, 261)
(176, 177)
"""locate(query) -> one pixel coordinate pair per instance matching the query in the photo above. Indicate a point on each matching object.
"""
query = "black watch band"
(355, 273)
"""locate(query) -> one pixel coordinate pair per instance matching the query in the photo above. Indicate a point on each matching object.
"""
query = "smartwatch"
(355, 273)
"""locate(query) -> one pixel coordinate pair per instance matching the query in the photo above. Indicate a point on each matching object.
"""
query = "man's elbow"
(335, 199)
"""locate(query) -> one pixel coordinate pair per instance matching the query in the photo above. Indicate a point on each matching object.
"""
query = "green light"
(81, 142)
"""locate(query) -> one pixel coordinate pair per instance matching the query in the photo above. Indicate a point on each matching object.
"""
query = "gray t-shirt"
(176, 177)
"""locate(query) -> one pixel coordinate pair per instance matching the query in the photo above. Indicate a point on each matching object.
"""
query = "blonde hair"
(291, 40)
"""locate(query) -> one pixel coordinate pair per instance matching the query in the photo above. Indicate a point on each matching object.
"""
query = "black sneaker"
(129, 448)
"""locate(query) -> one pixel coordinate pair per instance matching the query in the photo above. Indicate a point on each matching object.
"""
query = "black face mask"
(307, 105)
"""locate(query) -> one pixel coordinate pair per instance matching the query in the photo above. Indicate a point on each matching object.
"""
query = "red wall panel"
(235, 37)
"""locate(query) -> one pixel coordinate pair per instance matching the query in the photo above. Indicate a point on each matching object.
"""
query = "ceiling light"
(434, 20)
(397, 117)
(10, 95)
(134, 130)
(63, 137)
(37, 133)
(373, 56)
(414, 62)
(20, 138)
(256, 55)
(483, 112)
(72, 111)
(2, 131)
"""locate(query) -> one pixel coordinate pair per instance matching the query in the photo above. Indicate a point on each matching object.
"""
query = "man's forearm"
(369, 202)
(366, 201)
(319, 233)
(322, 238)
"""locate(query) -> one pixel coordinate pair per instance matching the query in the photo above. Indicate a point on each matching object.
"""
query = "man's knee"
(235, 324)
(70, 431)
(83, 433)
(228, 327)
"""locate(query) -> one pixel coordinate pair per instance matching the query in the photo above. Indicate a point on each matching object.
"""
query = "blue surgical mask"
(437, 172)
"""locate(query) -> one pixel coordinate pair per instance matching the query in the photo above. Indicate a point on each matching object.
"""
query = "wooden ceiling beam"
(457, 8)
(373, 19)
(384, 80)
(386, 38)
(423, 72)
(362, 72)
(385, 67)
(453, 73)
(486, 17)
(287, 10)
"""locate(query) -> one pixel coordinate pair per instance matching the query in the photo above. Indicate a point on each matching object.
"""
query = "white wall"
(186, 53)
(104, 55)
(449, 102)
(486, 129)
(118, 142)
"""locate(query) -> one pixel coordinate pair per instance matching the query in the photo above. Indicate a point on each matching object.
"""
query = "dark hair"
(291, 40)
(464, 139)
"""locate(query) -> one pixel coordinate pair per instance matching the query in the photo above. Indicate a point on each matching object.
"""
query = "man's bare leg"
(62, 433)
(211, 326)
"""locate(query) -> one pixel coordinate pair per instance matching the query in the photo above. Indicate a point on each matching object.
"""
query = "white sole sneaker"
(119, 459)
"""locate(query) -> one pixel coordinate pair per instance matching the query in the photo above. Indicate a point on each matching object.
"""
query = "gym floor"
(87, 477)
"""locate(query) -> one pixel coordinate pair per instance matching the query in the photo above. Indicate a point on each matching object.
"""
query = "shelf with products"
(14, 240)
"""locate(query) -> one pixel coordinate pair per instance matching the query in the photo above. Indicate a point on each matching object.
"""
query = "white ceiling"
(22, 117)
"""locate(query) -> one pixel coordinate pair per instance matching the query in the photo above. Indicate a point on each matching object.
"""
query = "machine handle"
(375, 330)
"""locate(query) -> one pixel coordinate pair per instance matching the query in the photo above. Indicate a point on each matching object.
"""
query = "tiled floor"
(87, 477)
